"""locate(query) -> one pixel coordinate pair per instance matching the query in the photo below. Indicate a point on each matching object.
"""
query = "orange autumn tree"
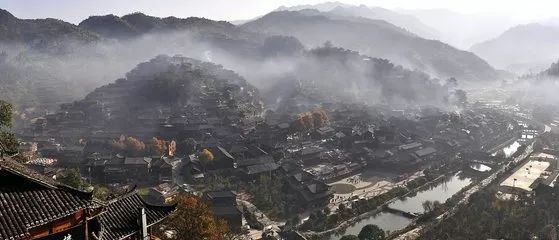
(129, 145)
(311, 120)
(206, 156)
(159, 146)
(172, 150)
(193, 220)
(320, 118)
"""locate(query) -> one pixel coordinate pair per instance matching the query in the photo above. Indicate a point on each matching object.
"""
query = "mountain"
(521, 48)
(332, 73)
(376, 38)
(31, 78)
(461, 30)
(407, 22)
(137, 24)
(41, 34)
(553, 70)
(163, 88)
(277, 65)
(323, 7)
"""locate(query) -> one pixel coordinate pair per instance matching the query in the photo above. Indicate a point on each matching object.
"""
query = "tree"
(135, 145)
(371, 232)
(429, 206)
(349, 237)
(193, 220)
(172, 148)
(5, 114)
(72, 178)
(320, 118)
(206, 156)
(8, 141)
(461, 97)
(129, 145)
(187, 146)
(101, 192)
(159, 146)
(311, 120)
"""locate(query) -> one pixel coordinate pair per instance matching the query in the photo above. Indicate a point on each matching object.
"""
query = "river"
(412, 203)
(480, 167)
(440, 192)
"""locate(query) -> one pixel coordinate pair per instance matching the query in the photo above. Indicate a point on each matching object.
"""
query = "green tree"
(349, 237)
(8, 141)
(5, 114)
(371, 232)
(72, 178)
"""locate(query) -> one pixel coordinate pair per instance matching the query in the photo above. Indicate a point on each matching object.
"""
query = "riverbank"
(378, 210)
(496, 176)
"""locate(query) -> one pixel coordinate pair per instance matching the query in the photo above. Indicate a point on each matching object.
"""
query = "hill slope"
(136, 24)
(524, 47)
(44, 34)
(376, 38)
(156, 91)
(408, 22)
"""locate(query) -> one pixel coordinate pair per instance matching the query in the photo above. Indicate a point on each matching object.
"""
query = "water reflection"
(480, 167)
(412, 203)
(440, 192)
(385, 220)
(511, 149)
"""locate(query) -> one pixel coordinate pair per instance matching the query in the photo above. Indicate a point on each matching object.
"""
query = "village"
(257, 169)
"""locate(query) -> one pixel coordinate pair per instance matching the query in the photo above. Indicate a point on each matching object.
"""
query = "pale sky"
(76, 10)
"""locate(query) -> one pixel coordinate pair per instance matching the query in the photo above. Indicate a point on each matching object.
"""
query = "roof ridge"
(20, 169)
(127, 194)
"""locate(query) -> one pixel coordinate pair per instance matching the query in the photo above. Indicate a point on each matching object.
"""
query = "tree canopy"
(193, 220)
(129, 145)
(371, 232)
(5, 114)
(72, 178)
(159, 146)
(311, 120)
(349, 237)
(206, 156)
(8, 141)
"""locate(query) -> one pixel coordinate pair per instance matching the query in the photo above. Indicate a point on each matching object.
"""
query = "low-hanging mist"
(279, 66)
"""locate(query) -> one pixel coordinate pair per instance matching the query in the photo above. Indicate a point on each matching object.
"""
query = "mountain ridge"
(408, 22)
(428, 55)
(522, 47)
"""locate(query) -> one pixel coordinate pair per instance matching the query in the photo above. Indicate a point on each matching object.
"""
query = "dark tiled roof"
(27, 200)
(121, 215)
(221, 194)
(426, 151)
(255, 161)
(255, 169)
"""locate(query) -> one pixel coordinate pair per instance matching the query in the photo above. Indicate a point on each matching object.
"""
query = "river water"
(440, 192)
(480, 167)
(510, 149)
(412, 203)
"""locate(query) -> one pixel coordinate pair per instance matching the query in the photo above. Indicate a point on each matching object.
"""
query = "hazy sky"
(76, 10)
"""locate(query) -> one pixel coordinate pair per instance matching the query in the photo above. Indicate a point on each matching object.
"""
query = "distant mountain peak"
(522, 47)
(138, 23)
(5, 15)
(408, 22)
(375, 37)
